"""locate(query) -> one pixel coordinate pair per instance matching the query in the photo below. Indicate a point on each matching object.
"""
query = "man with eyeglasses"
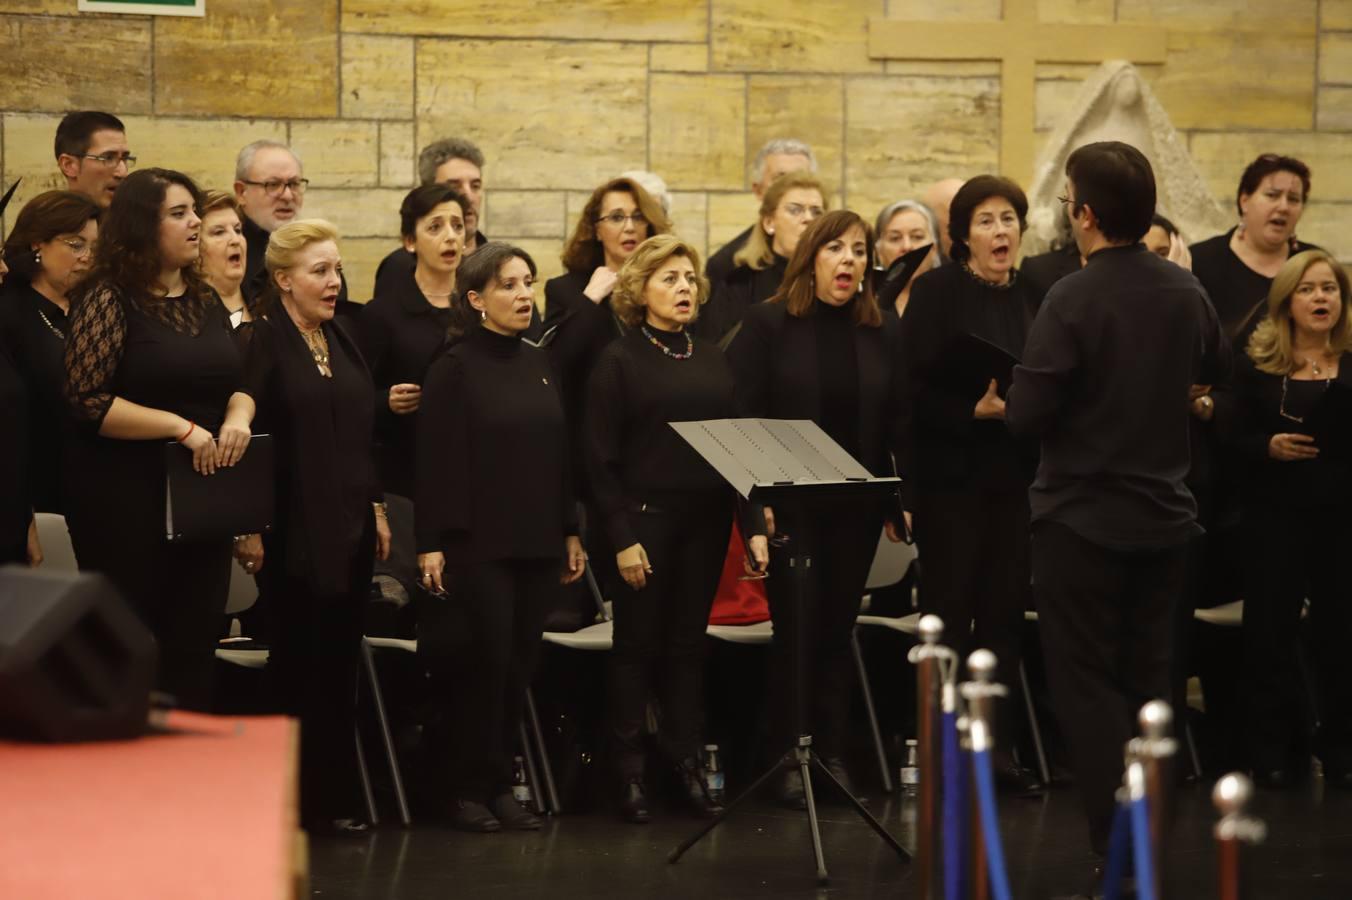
(270, 185)
(92, 153)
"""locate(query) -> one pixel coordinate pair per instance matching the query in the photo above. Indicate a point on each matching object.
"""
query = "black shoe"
(1274, 779)
(694, 790)
(467, 815)
(634, 804)
(791, 793)
(836, 766)
(1014, 779)
(512, 815)
(339, 828)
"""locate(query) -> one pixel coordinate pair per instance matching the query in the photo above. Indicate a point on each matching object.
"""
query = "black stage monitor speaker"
(75, 663)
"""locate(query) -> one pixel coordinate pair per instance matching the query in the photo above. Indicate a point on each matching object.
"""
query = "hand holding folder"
(234, 500)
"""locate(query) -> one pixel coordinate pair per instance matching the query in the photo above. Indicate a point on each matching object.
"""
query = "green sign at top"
(146, 7)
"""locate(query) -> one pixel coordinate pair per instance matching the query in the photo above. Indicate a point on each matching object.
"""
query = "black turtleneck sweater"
(633, 455)
(493, 473)
(838, 371)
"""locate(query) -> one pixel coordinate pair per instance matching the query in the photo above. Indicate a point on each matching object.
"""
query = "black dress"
(1238, 292)
(401, 333)
(842, 376)
(653, 489)
(318, 557)
(735, 294)
(15, 507)
(173, 354)
(967, 480)
(494, 494)
(34, 330)
(1296, 530)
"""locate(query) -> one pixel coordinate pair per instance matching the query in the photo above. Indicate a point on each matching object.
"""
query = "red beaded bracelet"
(191, 426)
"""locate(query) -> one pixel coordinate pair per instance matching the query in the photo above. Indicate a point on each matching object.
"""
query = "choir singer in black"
(667, 512)
(966, 477)
(149, 360)
(821, 349)
(495, 519)
(1104, 383)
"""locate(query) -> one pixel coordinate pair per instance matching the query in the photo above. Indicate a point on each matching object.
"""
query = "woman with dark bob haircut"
(966, 477)
(821, 349)
(150, 359)
(404, 327)
(50, 250)
(496, 523)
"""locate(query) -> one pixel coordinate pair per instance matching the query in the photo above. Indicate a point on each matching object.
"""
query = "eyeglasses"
(618, 219)
(798, 210)
(78, 246)
(112, 159)
(273, 188)
(1281, 407)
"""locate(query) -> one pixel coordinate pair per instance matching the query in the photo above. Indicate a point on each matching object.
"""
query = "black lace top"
(98, 338)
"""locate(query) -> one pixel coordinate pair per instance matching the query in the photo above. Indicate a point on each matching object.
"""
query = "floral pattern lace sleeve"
(97, 334)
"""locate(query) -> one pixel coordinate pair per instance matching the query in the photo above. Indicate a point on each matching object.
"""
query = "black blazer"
(774, 359)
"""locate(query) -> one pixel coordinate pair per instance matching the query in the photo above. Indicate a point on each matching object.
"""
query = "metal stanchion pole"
(926, 657)
(980, 694)
(1231, 795)
(1154, 750)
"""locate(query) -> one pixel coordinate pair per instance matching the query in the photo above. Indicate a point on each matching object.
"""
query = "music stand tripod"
(790, 465)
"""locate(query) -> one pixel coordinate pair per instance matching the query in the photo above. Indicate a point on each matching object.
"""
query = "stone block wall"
(561, 95)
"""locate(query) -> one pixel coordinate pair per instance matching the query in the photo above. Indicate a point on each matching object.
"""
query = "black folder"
(1330, 423)
(969, 363)
(889, 284)
(234, 500)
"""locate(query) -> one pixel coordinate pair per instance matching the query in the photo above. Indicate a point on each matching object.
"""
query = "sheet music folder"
(761, 457)
(235, 500)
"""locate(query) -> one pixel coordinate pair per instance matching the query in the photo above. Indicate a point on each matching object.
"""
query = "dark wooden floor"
(764, 852)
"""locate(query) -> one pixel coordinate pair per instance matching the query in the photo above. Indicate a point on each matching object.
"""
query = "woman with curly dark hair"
(150, 359)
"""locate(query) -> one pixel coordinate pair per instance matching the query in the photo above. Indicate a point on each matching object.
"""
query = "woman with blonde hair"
(790, 205)
(666, 512)
(1287, 418)
(311, 385)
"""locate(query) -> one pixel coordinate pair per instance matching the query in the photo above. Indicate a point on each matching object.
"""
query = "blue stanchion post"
(1119, 850)
(980, 694)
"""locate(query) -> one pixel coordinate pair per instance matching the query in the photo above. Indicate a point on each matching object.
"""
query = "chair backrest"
(891, 562)
(243, 590)
(57, 552)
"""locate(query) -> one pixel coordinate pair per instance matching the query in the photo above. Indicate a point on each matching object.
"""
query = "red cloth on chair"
(738, 602)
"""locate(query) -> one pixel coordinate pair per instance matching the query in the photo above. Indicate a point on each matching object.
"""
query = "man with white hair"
(270, 185)
(779, 156)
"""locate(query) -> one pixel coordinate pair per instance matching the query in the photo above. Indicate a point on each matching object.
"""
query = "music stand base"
(806, 759)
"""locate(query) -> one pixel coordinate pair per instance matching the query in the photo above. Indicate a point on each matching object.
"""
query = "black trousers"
(177, 590)
(1105, 619)
(659, 632)
(490, 634)
(1295, 554)
(315, 641)
(844, 539)
(973, 547)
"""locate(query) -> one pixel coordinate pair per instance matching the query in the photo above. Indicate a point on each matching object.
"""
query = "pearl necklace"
(667, 351)
(50, 327)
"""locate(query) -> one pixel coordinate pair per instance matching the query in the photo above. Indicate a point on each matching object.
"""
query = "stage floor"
(764, 852)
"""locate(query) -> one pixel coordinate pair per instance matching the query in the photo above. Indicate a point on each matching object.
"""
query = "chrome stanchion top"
(1231, 796)
(1156, 718)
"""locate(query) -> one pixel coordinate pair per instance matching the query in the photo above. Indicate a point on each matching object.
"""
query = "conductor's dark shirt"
(1104, 383)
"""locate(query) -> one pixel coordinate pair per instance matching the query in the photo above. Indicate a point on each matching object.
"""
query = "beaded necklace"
(57, 331)
(667, 351)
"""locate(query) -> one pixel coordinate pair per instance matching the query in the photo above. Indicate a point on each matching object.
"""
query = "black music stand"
(789, 464)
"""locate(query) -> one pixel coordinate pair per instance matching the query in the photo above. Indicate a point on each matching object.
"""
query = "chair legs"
(1043, 769)
(883, 768)
(532, 773)
(534, 722)
(372, 815)
(368, 663)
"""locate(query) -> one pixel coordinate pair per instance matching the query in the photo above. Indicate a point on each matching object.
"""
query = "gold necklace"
(319, 349)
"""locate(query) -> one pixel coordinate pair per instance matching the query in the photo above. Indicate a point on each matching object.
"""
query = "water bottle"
(713, 773)
(520, 787)
(910, 773)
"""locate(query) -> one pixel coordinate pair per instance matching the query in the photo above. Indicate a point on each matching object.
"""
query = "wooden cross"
(1019, 42)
